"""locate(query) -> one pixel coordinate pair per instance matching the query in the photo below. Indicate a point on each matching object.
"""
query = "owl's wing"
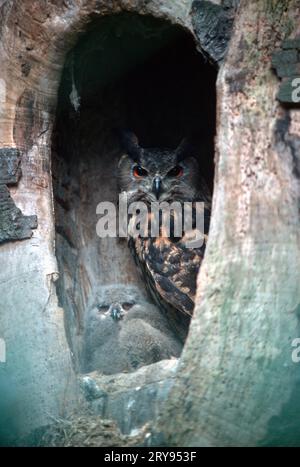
(171, 270)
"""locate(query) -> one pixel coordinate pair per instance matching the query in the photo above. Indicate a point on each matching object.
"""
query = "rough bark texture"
(212, 24)
(130, 399)
(13, 225)
(37, 381)
(286, 62)
(237, 383)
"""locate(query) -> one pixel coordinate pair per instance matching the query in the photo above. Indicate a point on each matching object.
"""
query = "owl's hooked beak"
(157, 186)
(116, 312)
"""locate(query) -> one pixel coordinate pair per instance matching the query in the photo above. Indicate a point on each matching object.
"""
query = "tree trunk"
(237, 383)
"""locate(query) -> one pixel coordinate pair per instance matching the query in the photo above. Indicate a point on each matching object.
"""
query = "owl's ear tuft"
(184, 150)
(130, 144)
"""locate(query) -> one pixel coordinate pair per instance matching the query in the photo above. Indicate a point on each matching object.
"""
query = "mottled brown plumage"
(168, 266)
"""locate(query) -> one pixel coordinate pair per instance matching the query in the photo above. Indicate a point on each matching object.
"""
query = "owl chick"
(168, 266)
(123, 332)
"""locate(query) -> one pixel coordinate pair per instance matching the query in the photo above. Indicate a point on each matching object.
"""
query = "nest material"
(89, 431)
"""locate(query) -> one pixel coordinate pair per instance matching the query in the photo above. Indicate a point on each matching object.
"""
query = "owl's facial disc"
(118, 310)
(151, 174)
(157, 177)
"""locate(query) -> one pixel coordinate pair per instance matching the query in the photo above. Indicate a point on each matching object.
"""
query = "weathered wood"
(291, 44)
(36, 38)
(237, 382)
(286, 90)
(10, 170)
(283, 57)
(286, 62)
(13, 224)
(290, 69)
(212, 24)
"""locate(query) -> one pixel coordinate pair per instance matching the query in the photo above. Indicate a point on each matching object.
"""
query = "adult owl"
(168, 264)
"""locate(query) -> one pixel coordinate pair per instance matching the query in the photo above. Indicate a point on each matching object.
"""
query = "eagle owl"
(168, 265)
(123, 331)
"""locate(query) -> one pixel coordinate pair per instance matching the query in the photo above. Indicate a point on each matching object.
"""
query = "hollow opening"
(138, 73)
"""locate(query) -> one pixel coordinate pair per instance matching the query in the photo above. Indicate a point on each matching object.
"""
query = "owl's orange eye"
(177, 171)
(139, 171)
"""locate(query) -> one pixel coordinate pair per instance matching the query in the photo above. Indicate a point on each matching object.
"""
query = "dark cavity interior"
(126, 71)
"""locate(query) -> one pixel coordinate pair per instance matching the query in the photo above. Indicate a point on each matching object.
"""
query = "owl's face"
(152, 175)
(114, 302)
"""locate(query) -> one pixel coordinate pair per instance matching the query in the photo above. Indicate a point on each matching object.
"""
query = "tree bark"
(237, 383)
(38, 382)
